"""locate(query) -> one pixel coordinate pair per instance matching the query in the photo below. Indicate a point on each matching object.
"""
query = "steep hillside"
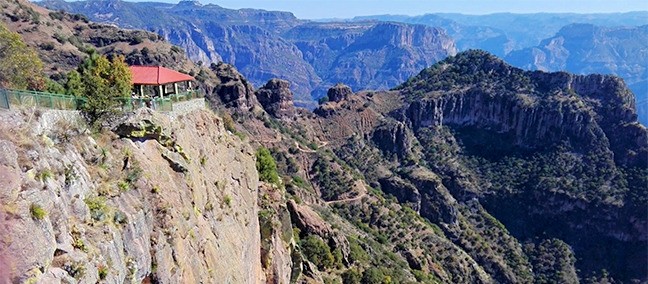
(266, 44)
(62, 39)
(549, 154)
(507, 169)
(584, 49)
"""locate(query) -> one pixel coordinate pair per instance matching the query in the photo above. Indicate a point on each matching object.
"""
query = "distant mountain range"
(379, 52)
(585, 49)
(502, 33)
(265, 45)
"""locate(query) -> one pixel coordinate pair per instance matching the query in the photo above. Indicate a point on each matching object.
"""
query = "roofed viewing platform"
(158, 81)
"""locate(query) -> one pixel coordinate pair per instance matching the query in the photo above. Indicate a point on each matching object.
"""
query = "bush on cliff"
(266, 166)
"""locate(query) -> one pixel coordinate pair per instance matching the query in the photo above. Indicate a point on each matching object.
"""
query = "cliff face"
(536, 108)
(374, 56)
(586, 48)
(401, 49)
(257, 53)
(143, 203)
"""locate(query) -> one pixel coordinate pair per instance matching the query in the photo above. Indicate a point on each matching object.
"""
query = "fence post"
(5, 98)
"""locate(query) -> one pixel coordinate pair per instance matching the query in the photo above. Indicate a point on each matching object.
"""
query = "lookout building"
(158, 81)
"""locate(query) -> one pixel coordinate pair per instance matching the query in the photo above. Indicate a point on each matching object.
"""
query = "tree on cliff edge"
(103, 83)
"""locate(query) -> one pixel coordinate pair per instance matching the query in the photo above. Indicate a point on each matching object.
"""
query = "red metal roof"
(157, 75)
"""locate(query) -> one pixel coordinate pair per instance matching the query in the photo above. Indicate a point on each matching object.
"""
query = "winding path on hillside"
(351, 199)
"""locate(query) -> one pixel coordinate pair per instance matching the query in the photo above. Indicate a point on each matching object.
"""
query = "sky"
(320, 9)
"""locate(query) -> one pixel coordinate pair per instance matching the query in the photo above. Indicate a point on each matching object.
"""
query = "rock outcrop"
(276, 98)
(309, 222)
(339, 92)
(234, 91)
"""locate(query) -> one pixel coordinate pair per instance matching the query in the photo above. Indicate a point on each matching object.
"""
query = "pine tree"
(73, 85)
(104, 82)
(121, 78)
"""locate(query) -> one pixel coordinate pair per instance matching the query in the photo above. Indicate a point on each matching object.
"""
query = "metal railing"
(9, 97)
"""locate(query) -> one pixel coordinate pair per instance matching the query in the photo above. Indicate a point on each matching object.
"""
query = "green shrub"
(266, 166)
(134, 175)
(323, 99)
(228, 122)
(58, 15)
(351, 276)
(102, 270)
(123, 186)
(97, 207)
(47, 46)
(45, 175)
(228, 200)
(37, 212)
(357, 253)
(136, 40)
(54, 87)
(317, 252)
(375, 275)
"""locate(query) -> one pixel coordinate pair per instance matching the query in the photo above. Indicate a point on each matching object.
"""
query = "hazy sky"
(317, 9)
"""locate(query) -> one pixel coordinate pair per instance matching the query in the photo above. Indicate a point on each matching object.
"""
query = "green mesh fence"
(189, 95)
(40, 99)
(159, 104)
(56, 101)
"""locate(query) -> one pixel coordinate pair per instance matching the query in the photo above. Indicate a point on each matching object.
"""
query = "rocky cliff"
(370, 55)
(536, 108)
(143, 202)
